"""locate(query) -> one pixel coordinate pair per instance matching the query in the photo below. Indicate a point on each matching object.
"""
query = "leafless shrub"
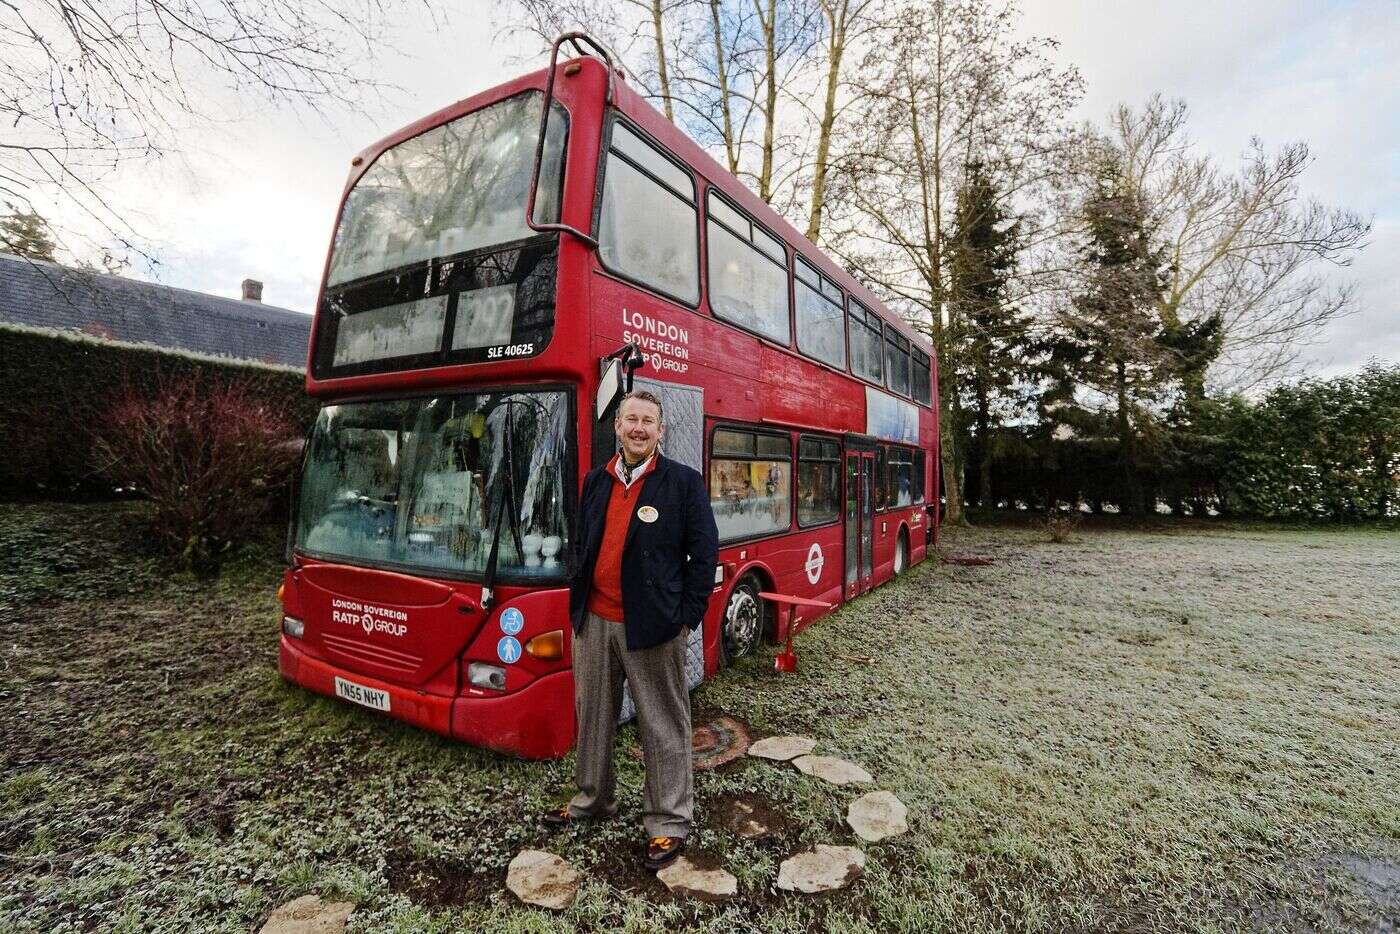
(208, 456)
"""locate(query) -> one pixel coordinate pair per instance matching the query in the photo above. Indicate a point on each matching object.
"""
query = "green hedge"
(54, 386)
(1314, 450)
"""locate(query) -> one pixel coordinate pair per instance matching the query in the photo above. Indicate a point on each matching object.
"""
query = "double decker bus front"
(430, 542)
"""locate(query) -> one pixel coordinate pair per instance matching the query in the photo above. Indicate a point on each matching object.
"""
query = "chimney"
(252, 290)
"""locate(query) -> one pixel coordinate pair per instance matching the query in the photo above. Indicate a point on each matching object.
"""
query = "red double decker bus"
(492, 268)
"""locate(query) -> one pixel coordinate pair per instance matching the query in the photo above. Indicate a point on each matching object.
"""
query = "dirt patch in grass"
(437, 881)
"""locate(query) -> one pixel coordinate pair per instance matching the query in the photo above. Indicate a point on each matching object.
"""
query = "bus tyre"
(901, 553)
(743, 623)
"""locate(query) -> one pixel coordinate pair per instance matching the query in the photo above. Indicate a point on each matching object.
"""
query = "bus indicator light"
(547, 647)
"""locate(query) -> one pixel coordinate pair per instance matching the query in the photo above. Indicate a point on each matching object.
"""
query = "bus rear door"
(859, 518)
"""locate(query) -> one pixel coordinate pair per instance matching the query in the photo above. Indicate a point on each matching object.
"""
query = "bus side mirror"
(609, 388)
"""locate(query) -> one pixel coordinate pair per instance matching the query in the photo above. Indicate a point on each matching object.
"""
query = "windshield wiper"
(506, 503)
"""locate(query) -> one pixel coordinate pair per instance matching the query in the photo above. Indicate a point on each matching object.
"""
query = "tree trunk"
(731, 151)
(1127, 447)
(984, 439)
(836, 20)
(950, 453)
(661, 59)
(770, 113)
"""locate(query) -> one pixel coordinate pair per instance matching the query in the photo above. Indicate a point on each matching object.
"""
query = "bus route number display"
(485, 318)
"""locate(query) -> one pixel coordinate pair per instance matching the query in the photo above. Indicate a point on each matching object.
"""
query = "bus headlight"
(483, 675)
(293, 627)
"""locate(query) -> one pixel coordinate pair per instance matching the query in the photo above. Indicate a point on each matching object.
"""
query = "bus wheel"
(901, 553)
(743, 620)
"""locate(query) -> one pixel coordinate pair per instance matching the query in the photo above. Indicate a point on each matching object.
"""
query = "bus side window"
(747, 273)
(923, 387)
(647, 224)
(750, 483)
(821, 332)
(818, 482)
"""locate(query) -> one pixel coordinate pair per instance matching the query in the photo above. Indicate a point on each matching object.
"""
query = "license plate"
(359, 694)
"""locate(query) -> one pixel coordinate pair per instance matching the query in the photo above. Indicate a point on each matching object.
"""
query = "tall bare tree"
(741, 78)
(954, 86)
(91, 85)
(1246, 247)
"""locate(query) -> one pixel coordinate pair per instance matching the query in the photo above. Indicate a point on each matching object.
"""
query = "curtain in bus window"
(821, 331)
(897, 362)
(419, 483)
(647, 233)
(401, 330)
(923, 388)
(818, 482)
(458, 187)
(746, 287)
(901, 477)
(867, 346)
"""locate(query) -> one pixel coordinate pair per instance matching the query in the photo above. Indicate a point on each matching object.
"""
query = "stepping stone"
(830, 769)
(686, 878)
(718, 741)
(782, 748)
(877, 815)
(540, 878)
(752, 818)
(821, 869)
(309, 915)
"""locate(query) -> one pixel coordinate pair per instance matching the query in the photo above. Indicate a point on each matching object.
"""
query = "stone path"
(836, 771)
(686, 878)
(877, 815)
(782, 748)
(309, 915)
(821, 869)
(540, 878)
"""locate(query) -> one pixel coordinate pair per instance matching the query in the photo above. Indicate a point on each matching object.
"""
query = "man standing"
(647, 551)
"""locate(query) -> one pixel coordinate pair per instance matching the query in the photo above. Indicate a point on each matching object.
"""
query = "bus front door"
(860, 521)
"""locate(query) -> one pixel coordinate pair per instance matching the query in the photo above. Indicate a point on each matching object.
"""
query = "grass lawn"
(1184, 728)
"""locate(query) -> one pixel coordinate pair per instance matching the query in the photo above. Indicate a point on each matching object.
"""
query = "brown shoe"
(560, 817)
(661, 850)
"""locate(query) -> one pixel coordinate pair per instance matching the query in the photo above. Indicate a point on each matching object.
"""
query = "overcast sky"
(255, 196)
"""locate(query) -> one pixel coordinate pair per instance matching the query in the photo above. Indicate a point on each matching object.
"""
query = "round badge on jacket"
(647, 514)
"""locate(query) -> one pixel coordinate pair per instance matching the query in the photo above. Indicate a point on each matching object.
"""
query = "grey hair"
(644, 396)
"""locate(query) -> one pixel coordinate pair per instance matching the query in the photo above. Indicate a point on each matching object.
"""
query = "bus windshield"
(420, 483)
(458, 187)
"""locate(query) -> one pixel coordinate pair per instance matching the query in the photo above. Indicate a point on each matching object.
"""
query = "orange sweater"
(606, 597)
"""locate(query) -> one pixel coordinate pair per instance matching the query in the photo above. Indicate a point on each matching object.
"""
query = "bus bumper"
(535, 722)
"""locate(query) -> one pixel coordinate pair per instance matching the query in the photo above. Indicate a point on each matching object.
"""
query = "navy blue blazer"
(668, 566)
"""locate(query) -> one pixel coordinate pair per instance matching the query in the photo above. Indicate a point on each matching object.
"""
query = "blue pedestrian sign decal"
(512, 621)
(508, 650)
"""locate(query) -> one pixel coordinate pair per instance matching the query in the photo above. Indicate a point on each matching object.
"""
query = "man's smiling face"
(639, 429)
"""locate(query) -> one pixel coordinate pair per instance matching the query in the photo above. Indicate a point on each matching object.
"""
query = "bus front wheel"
(901, 553)
(744, 620)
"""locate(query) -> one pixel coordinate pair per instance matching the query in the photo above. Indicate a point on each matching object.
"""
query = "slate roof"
(46, 295)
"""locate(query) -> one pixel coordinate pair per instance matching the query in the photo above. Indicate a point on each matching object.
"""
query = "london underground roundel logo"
(815, 562)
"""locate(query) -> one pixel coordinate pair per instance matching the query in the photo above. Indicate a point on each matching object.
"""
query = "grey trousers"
(657, 679)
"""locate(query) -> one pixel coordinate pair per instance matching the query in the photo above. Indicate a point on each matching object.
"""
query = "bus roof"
(641, 112)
